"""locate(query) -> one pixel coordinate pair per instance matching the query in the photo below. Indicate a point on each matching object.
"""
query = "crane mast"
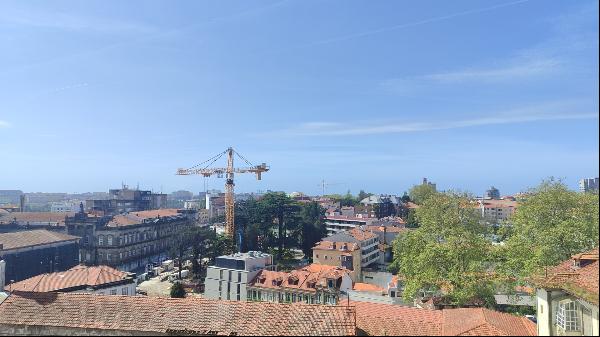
(229, 173)
(229, 196)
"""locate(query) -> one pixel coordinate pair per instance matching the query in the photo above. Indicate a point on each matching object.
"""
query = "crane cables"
(211, 160)
(244, 159)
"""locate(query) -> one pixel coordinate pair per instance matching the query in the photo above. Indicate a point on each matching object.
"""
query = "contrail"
(400, 26)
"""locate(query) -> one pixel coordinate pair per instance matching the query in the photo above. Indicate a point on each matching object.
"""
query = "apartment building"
(381, 206)
(126, 200)
(312, 284)
(497, 211)
(354, 250)
(589, 185)
(229, 277)
(128, 241)
(567, 297)
(339, 223)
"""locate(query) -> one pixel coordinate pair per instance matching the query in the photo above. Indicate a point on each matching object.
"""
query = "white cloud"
(361, 128)
(515, 71)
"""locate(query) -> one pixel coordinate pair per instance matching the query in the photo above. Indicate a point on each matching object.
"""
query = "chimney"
(2, 271)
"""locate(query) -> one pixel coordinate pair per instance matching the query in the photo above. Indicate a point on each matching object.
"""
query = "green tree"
(411, 219)
(362, 195)
(447, 253)
(177, 290)
(279, 209)
(348, 200)
(420, 193)
(550, 225)
(313, 226)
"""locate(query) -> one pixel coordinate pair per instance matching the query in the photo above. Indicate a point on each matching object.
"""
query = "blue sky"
(368, 95)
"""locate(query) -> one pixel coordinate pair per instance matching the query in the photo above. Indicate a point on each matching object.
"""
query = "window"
(567, 316)
(239, 277)
(125, 291)
(101, 240)
(109, 240)
(113, 292)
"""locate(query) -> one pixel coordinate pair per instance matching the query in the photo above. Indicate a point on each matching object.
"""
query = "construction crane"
(229, 172)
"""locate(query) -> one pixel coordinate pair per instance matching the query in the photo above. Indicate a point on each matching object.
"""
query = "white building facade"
(228, 279)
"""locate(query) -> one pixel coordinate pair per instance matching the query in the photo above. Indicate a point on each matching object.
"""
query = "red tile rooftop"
(385, 319)
(76, 277)
(577, 276)
(192, 316)
(308, 278)
(366, 287)
(134, 218)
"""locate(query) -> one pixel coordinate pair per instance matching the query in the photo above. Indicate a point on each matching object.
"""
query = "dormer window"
(330, 283)
(293, 280)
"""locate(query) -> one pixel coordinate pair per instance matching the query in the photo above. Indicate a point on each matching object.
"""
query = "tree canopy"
(448, 252)
(551, 224)
(278, 223)
(177, 290)
(420, 193)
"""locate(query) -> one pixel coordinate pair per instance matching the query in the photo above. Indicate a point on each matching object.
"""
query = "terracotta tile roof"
(355, 235)
(134, 218)
(395, 320)
(485, 322)
(500, 203)
(32, 238)
(328, 245)
(361, 235)
(385, 319)
(153, 315)
(307, 279)
(75, 278)
(388, 229)
(412, 205)
(578, 276)
(35, 218)
(366, 287)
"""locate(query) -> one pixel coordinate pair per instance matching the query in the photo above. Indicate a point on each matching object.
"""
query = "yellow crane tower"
(229, 172)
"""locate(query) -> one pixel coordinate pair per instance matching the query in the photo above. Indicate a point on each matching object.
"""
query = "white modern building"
(340, 223)
(228, 279)
(65, 206)
(589, 184)
(497, 210)
(2, 273)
